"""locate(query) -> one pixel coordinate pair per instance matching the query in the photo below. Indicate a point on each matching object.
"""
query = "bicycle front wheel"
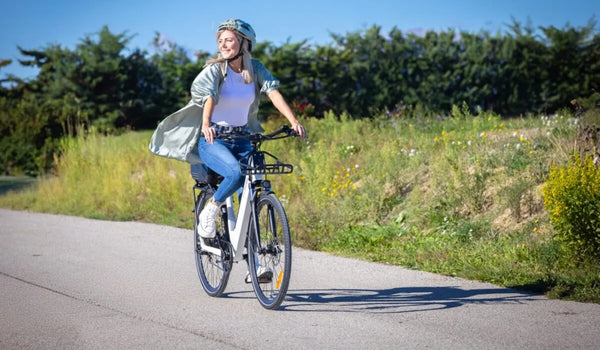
(213, 270)
(271, 252)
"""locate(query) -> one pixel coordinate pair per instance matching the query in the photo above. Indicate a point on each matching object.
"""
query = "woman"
(226, 95)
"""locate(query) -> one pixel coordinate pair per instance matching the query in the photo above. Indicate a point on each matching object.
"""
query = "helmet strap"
(236, 56)
(240, 53)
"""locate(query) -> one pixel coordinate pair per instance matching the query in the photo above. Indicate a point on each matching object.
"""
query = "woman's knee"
(231, 170)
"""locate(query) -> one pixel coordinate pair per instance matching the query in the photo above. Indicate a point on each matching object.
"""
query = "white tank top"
(234, 101)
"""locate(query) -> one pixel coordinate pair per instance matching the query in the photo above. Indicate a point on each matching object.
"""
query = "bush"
(26, 146)
(572, 199)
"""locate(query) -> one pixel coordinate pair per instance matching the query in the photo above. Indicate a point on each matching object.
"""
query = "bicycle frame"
(238, 226)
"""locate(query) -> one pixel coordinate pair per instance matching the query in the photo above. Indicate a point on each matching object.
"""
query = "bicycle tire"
(213, 270)
(271, 249)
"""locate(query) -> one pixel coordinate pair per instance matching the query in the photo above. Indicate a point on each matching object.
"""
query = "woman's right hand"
(209, 134)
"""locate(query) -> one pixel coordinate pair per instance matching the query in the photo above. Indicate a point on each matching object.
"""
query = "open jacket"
(177, 135)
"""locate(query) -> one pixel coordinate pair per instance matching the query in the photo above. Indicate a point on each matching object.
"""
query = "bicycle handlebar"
(289, 132)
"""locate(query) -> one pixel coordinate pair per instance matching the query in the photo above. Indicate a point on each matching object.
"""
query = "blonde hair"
(247, 71)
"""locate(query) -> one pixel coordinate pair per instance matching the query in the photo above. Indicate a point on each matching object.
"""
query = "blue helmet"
(243, 28)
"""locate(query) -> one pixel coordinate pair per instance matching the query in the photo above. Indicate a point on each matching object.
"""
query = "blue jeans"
(223, 158)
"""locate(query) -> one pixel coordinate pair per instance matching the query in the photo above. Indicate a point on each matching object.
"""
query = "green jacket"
(177, 135)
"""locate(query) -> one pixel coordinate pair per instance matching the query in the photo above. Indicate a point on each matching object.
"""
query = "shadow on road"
(398, 300)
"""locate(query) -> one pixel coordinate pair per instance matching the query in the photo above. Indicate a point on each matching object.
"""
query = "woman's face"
(228, 44)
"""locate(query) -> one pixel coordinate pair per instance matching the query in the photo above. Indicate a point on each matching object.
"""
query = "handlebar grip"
(283, 129)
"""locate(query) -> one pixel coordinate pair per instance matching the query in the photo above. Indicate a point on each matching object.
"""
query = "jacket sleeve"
(177, 135)
(206, 85)
(266, 81)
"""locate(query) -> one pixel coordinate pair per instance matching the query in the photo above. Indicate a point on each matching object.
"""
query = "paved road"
(73, 283)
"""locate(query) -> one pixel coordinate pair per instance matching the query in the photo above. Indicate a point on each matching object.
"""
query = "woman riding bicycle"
(234, 107)
(226, 95)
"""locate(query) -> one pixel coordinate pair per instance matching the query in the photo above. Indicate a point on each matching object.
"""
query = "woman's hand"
(209, 134)
(299, 129)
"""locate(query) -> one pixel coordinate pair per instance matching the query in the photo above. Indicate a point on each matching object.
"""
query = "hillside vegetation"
(458, 195)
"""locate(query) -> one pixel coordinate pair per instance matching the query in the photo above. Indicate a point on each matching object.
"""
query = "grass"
(113, 178)
(457, 195)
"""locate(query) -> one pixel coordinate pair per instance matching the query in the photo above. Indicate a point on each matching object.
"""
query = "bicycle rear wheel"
(272, 249)
(213, 270)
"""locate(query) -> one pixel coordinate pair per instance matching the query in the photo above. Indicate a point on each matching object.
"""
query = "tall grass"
(458, 195)
(114, 178)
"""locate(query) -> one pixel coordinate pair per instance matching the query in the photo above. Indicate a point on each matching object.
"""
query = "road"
(75, 283)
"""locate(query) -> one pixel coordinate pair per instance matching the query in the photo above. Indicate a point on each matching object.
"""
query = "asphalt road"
(74, 283)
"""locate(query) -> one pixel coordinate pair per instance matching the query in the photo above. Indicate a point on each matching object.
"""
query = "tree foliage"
(103, 84)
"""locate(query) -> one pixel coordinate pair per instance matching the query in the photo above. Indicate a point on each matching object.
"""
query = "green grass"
(459, 196)
(114, 178)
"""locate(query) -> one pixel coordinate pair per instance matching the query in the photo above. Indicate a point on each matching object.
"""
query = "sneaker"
(206, 221)
(264, 274)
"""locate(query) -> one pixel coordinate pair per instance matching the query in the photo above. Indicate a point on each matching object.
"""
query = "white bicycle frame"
(238, 229)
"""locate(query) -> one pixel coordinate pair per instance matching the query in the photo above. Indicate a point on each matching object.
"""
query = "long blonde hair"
(247, 71)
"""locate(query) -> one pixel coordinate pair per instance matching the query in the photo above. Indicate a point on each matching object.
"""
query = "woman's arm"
(209, 133)
(282, 106)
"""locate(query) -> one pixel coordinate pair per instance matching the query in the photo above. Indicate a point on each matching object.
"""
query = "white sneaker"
(264, 274)
(206, 221)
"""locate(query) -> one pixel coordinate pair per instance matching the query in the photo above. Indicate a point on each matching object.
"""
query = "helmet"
(241, 27)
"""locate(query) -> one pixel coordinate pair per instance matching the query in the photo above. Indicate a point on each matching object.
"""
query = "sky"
(37, 24)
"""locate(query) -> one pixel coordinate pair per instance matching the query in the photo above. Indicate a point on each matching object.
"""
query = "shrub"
(572, 199)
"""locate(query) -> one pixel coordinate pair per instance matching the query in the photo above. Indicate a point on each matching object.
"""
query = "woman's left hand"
(299, 129)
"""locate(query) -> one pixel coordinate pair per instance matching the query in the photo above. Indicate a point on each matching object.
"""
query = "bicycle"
(260, 235)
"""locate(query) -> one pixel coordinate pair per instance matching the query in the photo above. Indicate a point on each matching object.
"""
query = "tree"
(569, 66)
(173, 72)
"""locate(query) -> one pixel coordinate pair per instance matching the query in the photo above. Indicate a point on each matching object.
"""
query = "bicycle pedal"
(211, 242)
(267, 278)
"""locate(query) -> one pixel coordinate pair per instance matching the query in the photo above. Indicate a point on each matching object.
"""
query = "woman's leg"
(223, 157)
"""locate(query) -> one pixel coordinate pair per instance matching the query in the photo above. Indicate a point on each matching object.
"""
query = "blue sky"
(35, 24)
